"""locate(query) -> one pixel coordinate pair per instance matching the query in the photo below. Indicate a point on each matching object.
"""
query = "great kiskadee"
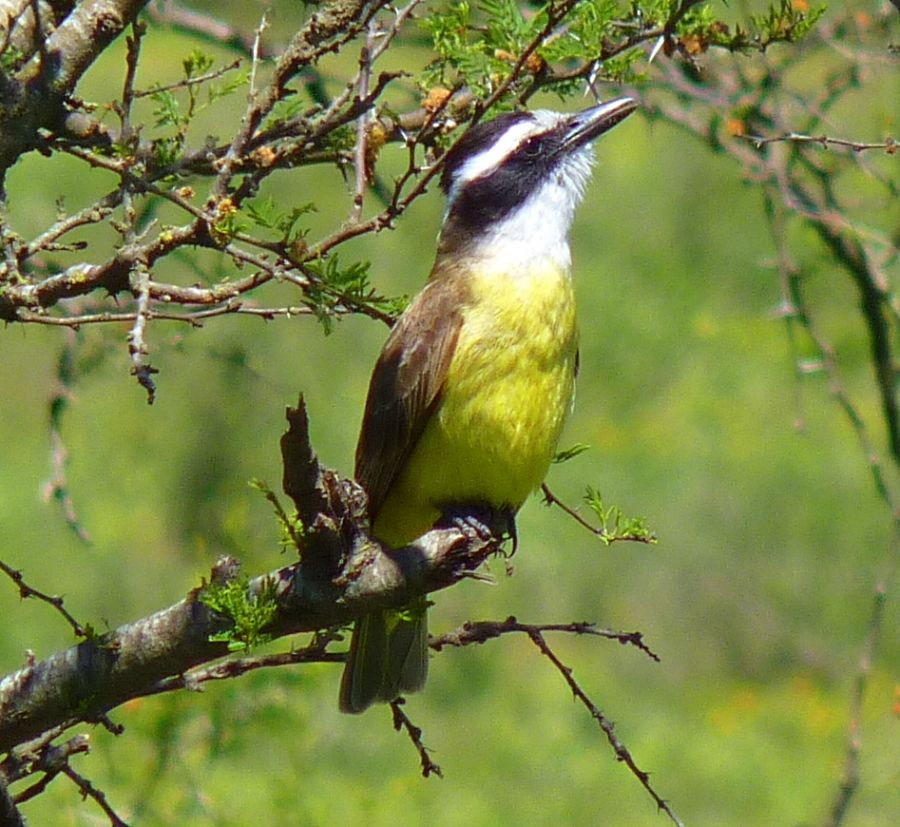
(469, 395)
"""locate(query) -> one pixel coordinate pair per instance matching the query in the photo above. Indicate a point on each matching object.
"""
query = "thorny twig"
(194, 318)
(260, 148)
(53, 760)
(18, 761)
(795, 312)
(362, 173)
(46, 757)
(483, 630)
(770, 135)
(889, 145)
(42, 756)
(137, 346)
(850, 774)
(479, 632)
(598, 531)
(222, 300)
(194, 80)
(88, 790)
(402, 722)
(57, 486)
(622, 752)
(194, 679)
(26, 591)
(139, 273)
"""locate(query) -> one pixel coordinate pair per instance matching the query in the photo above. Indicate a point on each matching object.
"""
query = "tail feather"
(388, 656)
(407, 657)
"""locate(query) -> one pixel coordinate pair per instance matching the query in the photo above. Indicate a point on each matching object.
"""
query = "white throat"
(533, 236)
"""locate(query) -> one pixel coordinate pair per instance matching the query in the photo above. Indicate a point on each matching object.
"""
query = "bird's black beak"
(583, 127)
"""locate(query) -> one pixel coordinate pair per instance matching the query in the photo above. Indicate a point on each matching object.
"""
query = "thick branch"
(35, 96)
(851, 254)
(100, 674)
(68, 51)
(9, 815)
(87, 680)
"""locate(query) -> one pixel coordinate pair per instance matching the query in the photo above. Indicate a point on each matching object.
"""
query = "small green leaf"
(249, 613)
(196, 63)
(292, 528)
(265, 213)
(614, 525)
(570, 453)
(167, 111)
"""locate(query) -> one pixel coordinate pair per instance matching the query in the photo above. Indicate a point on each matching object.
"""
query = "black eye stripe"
(545, 146)
(494, 195)
(479, 138)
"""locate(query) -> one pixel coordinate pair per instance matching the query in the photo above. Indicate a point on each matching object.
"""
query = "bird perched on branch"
(475, 381)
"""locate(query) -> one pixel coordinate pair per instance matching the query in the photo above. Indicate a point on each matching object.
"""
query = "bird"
(476, 378)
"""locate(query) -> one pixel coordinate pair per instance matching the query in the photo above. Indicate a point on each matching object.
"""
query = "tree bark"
(343, 574)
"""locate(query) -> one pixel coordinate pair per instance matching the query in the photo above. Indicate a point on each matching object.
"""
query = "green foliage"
(166, 151)
(342, 139)
(614, 525)
(266, 213)
(237, 81)
(249, 614)
(594, 29)
(786, 22)
(292, 528)
(196, 63)
(10, 58)
(174, 112)
(333, 286)
(392, 306)
(168, 110)
(228, 222)
(285, 110)
(571, 452)
(477, 44)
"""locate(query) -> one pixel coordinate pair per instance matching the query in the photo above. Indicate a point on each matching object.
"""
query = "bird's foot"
(484, 523)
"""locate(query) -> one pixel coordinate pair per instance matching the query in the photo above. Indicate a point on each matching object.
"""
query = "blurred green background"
(756, 597)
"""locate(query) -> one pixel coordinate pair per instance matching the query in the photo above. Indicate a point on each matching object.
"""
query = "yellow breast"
(508, 390)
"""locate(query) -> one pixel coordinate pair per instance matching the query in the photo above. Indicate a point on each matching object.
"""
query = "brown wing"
(406, 384)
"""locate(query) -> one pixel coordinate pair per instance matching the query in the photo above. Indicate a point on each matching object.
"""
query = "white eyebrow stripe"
(490, 158)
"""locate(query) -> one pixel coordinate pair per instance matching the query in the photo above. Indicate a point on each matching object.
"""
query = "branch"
(88, 790)
(343, 574)
(77, 43)
(482, 631)
(194, 679)
(402, 722)
(26, 591)
(326, 31)
(9, 813)
(889, 144)
(804, 186)
(43, 757)
(849, 782)
(622, 752)
(614, 525)
(34, 96)
(485, 630)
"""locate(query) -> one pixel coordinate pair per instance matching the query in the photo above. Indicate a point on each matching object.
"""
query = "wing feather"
(406, 385)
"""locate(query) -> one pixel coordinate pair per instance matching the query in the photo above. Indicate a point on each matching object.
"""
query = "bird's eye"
(532, 147)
